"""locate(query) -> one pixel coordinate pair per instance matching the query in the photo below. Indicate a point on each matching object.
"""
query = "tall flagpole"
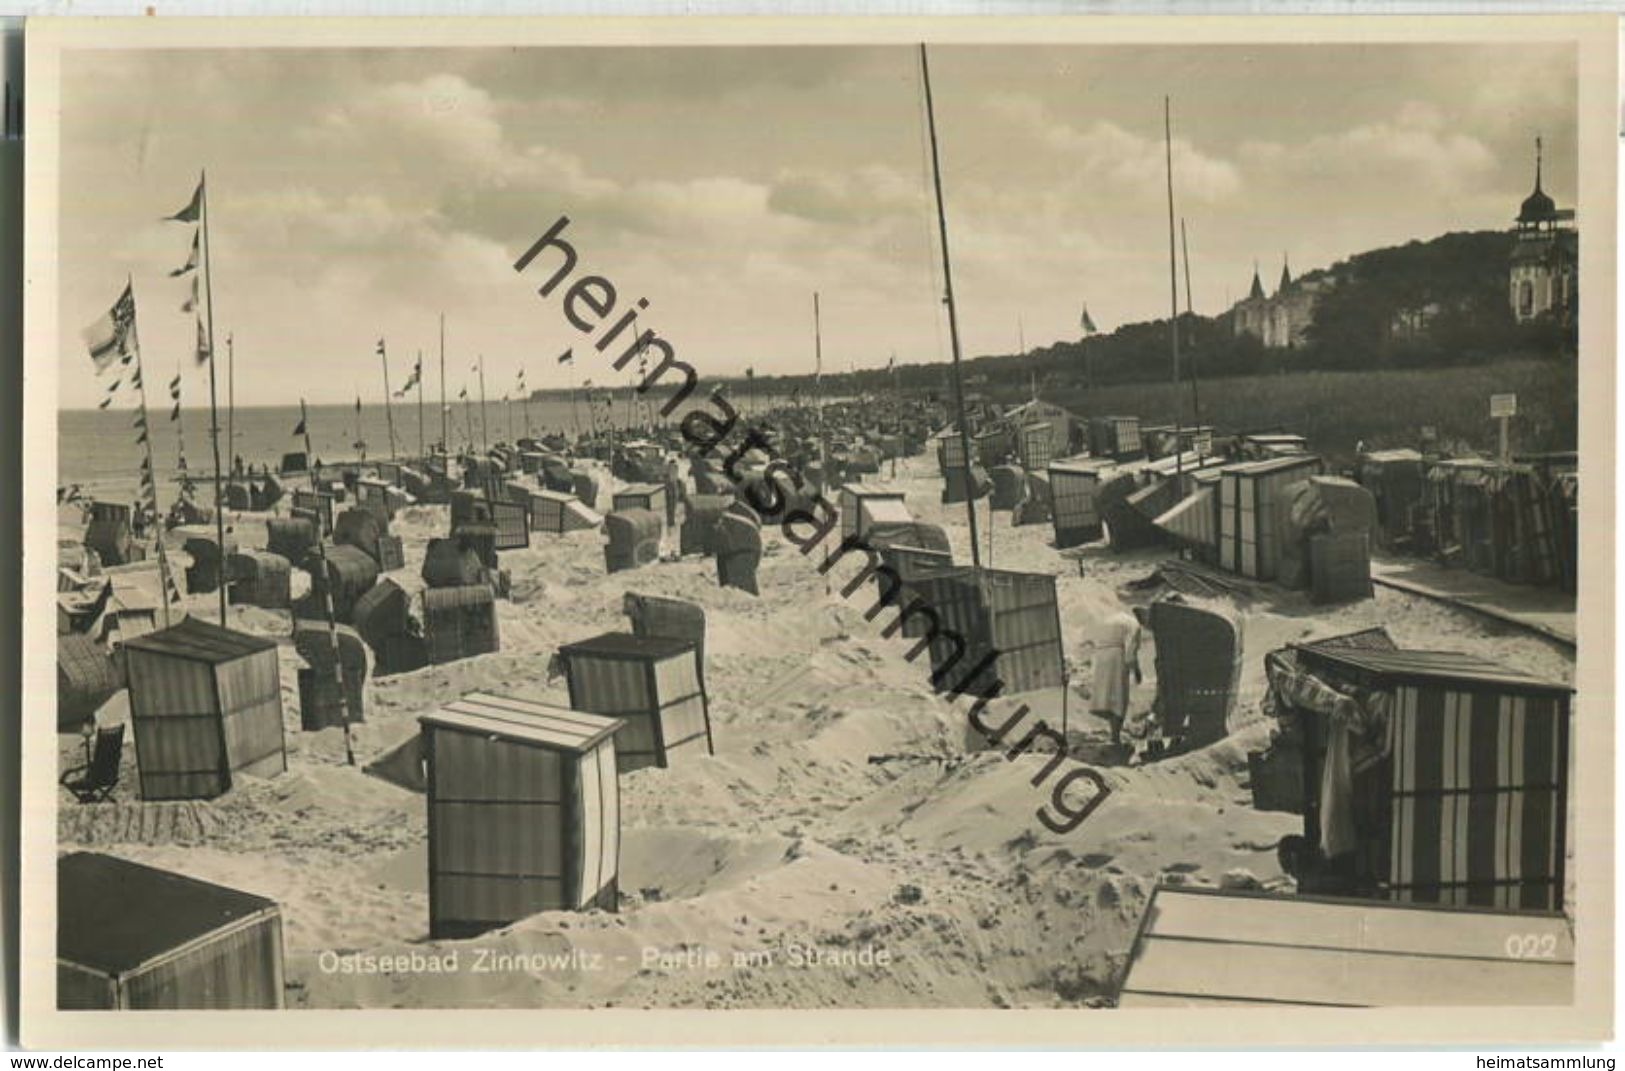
(389, 413)
(1196, 402)
(953, 315)
(164, 577)
(327, 598)
(485, 431)
(1173, 279)
(231, 398)
(445, 434)
(423, 455)
(214, 408)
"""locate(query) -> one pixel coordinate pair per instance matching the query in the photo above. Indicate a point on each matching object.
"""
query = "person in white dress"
(1115, 640)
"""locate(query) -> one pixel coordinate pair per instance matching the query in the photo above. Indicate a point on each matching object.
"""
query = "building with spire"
(1279, 320)
(1543, 278)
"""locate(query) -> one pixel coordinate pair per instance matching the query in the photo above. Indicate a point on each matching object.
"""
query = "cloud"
(1415, 148)
(1122, 161)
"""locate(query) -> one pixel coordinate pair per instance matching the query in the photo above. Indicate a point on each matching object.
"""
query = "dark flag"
(113, 336)
(175, 414)
(175, 387)
(105, 403)
(193, 208)
(463, 393)
(411, 380)
(299, 428)
(191, 260)
(380, 347)
(567, 357)
(358, 403)
(203, 354)
(1087, 322)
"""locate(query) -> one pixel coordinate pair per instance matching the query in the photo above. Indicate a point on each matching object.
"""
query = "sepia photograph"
(822, 518)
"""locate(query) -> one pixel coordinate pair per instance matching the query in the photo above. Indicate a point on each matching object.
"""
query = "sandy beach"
(843, 847)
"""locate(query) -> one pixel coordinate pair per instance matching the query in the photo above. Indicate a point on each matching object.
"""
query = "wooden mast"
(953, 316)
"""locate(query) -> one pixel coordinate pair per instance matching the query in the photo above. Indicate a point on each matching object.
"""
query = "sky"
(358, 194)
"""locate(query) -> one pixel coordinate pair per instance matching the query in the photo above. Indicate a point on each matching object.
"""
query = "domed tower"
(1545, 260)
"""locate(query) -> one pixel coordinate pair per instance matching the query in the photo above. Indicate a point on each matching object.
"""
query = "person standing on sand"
(1116, 643)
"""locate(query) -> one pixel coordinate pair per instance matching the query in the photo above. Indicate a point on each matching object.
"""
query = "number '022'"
(1531, 946)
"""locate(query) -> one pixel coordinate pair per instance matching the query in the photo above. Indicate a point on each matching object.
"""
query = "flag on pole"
(193, 208)
(750, 373)
(135, 380)
(567, 357)
(1087, 323)
(105, 403)
(203, 353)
(358, 403)
(191, 260)
(463, 393)
(113, 336)
(175, 387)
(114, 388)
(190, 304)
(411, 380)
(175, 414)
(299, 428)
(380, 347)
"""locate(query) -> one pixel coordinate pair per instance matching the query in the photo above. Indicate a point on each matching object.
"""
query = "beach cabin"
(349, 573)
(383, 618)
(992, 447)
(86, 677)
(1463, 800)
(1198, 660)
(1396, 479)
(206, 705)
(559, 512)
(911, 560)
(1116, 437)
(1075, 509)
(524, 812)
(653, 683)
(373, 496)
(110, 535)
(633, 539)
(862, 508)
(460, 622)
(290, 537)
(316, 503)
(697, 533)
(1010, 623)
(512, 522)
(135, 938)
(260, 578)
(1211, 948)
(1274, 445)
(330, 657)
(1036, 446)
(1249, 536)
(644, 496)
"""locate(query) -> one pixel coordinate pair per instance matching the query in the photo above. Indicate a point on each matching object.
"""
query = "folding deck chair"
(95, 780)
